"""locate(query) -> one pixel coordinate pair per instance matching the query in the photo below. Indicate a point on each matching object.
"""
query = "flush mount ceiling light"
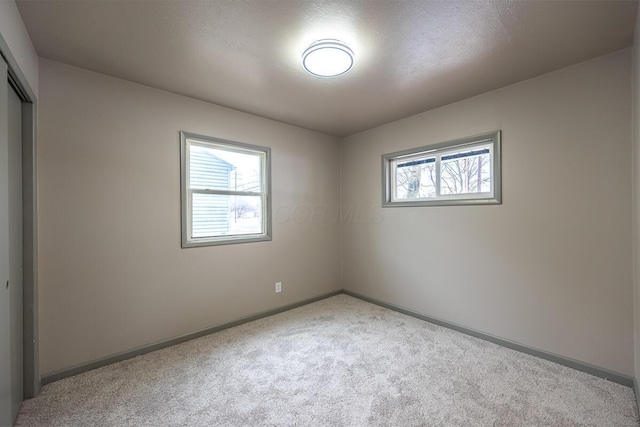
(327, 58)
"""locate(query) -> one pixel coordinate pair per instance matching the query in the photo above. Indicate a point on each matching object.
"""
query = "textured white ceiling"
(411, 56)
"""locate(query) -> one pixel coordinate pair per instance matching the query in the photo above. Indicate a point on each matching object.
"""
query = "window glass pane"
(222, 215)
(416, 179)
(466, 172)
(217, 169)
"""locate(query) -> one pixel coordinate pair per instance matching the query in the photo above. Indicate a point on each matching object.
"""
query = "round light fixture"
(327, 58)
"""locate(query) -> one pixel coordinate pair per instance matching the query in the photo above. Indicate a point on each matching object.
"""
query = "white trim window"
(225, 188)
(463, 171)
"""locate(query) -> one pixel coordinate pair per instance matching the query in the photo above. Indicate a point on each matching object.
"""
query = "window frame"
(493, 197)
(186, 193)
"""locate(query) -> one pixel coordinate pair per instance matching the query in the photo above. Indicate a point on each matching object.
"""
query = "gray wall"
(113, 275)
(636, 191)
(551, 267)
(14, 34)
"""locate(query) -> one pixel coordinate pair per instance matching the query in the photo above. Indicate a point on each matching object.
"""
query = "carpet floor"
(336, 362)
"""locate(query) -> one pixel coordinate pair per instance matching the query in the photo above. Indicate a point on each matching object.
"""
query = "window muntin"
(464, 171)
(225, 191)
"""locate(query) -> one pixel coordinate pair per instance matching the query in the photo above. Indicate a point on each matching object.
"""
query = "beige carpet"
(337, 362)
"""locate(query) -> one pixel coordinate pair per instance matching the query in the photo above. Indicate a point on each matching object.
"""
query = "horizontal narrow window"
(464, 171)
(225, 191)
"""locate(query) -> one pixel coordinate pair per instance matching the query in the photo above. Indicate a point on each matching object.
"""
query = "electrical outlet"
(278, 287)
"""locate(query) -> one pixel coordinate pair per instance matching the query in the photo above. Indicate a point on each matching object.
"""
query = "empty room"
(319, 213)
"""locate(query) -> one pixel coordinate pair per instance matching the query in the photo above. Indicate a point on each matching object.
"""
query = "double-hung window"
(225, 191)
(464, 171)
